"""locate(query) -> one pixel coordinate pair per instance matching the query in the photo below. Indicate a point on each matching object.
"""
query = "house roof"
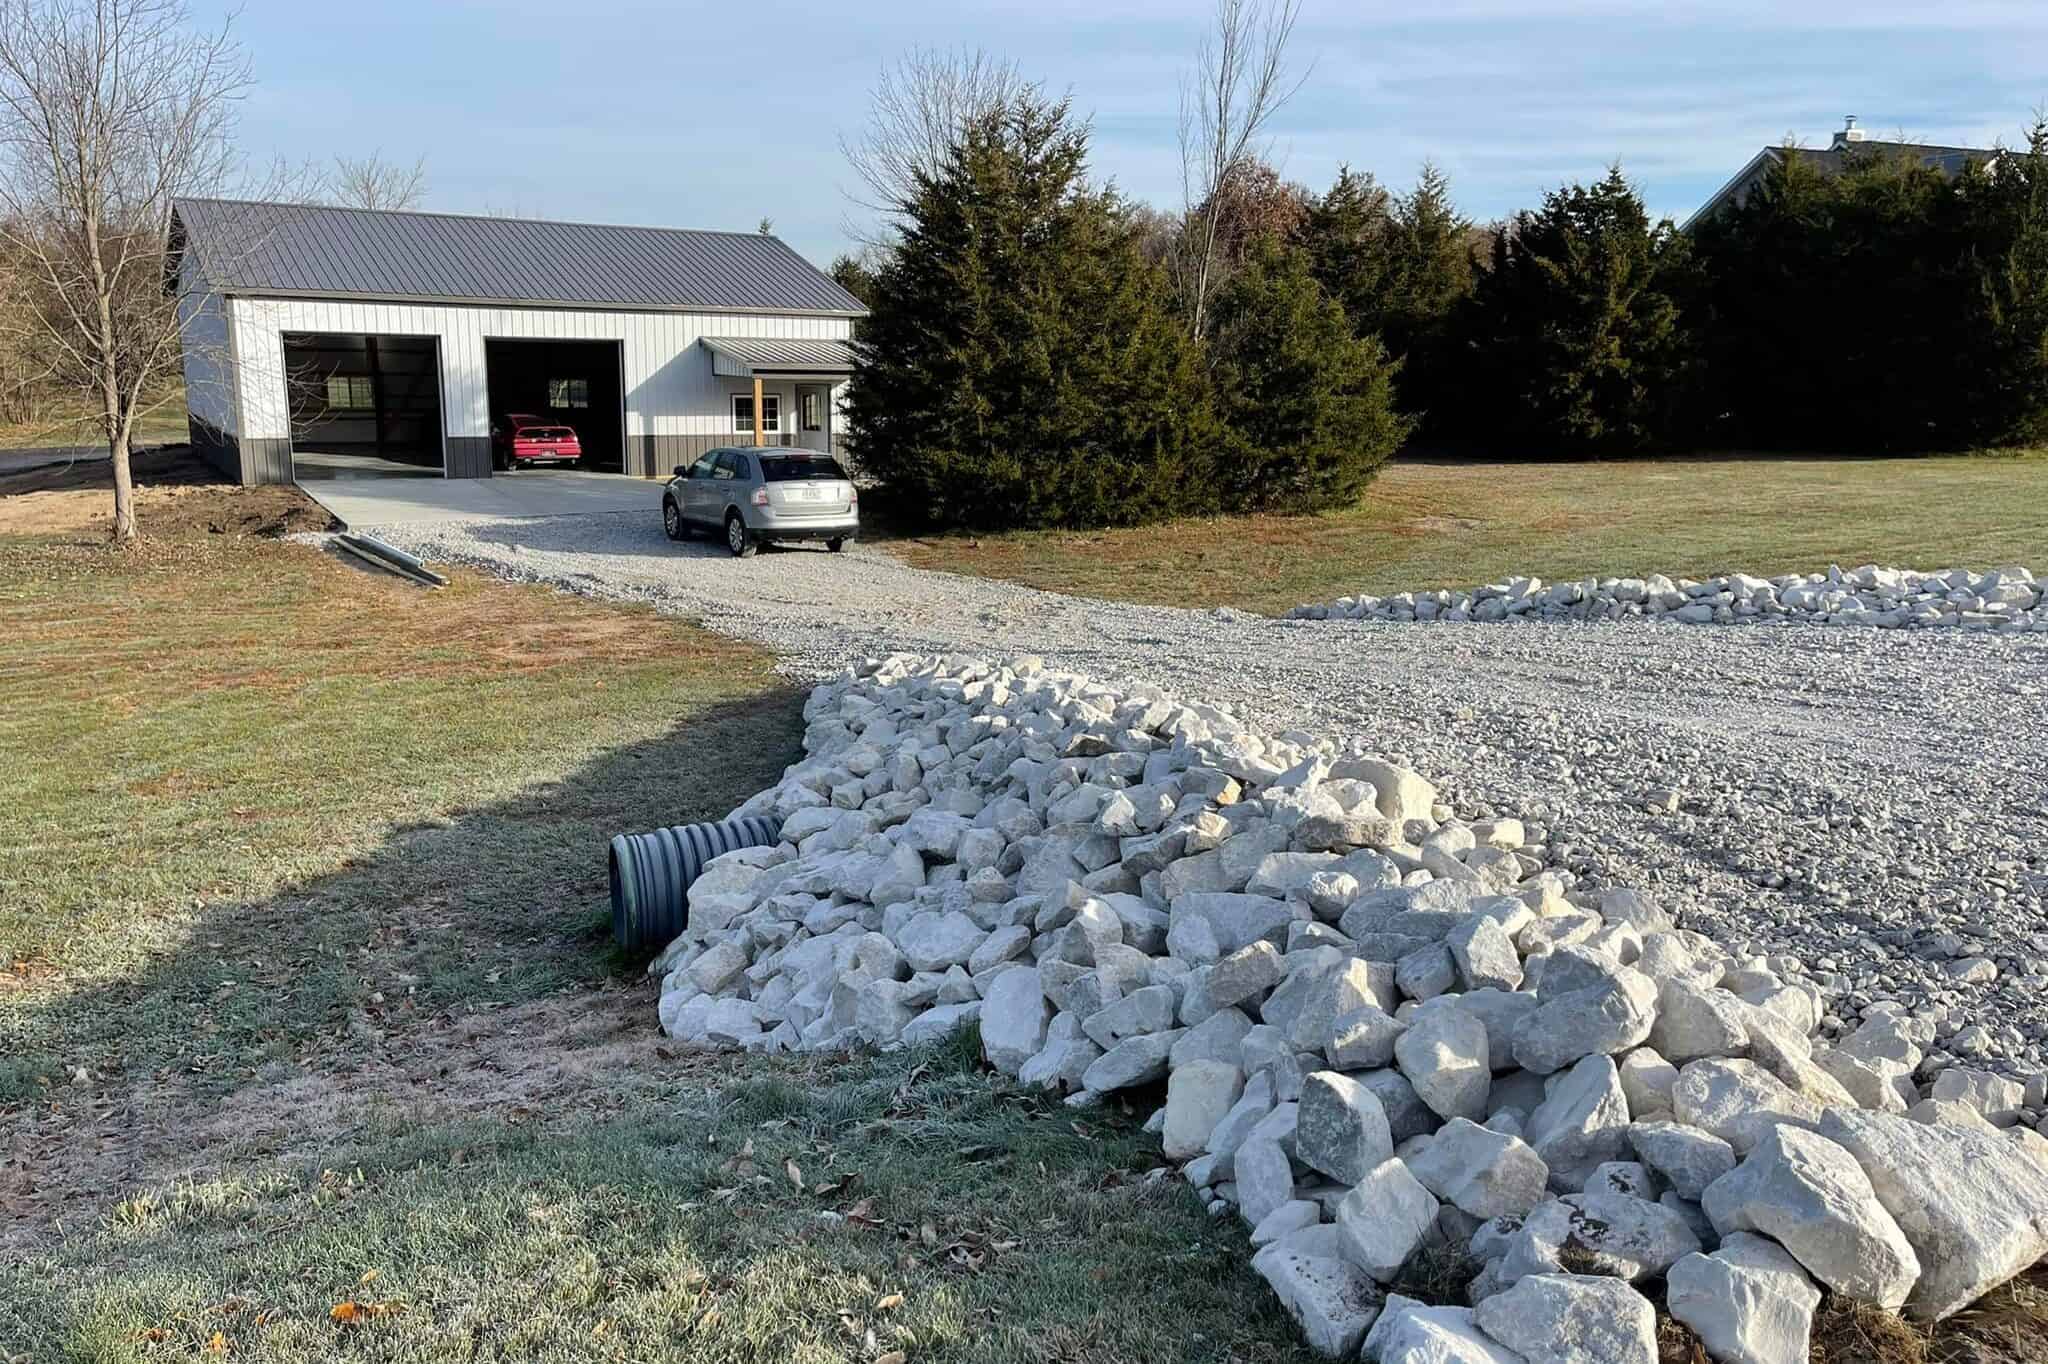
(742, 357)
(1829, 160)
(302, 250)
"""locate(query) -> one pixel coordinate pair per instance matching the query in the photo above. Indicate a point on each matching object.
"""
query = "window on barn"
(568, 393)
(351, 393)
(743, 412)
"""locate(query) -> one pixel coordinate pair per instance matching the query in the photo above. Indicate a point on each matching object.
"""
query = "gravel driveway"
(1873, 801)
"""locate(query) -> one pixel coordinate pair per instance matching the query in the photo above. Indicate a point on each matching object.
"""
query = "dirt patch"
(579, 1055)
(178, 496)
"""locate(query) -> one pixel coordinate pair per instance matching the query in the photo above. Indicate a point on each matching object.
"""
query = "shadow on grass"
(497, 907)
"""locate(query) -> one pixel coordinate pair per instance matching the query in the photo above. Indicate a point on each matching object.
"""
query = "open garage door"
(363, 405)
(563, 383)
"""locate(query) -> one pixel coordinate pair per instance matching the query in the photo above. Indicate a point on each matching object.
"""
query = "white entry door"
(814, 417)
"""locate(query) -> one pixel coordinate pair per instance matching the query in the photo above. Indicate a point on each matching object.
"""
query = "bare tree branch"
(371, 182)
(1241, 80)
(920, 106)
(110, 111)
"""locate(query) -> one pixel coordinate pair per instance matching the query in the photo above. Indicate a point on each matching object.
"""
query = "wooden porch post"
(757, 411)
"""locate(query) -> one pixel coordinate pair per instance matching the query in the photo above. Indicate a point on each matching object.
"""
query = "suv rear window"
(786, 469)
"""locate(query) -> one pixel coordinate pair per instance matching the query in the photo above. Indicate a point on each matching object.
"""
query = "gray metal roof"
(741, 357)
(303, 250)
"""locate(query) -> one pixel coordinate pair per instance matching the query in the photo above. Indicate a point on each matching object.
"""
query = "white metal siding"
(670, 388)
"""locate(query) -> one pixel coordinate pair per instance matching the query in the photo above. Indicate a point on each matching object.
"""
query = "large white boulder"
(1572, 1319)
(1738, 1101)
(1340, 1128)
(1581, 1123)
(1014, 1012)
(1409, 1333)
(1808, 1194)
(1972, 1203)
(1332, 1300)
(1480, 1171)
(1749, 1302)
(1444, 1055)
(1384, 1219)
(1198, 1095)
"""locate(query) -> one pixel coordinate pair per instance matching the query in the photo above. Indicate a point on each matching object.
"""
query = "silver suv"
(755, 494)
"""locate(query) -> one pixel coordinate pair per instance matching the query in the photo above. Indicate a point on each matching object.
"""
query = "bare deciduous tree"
(372, 182)
(1240, 81)
(920, 106)
(110, 110)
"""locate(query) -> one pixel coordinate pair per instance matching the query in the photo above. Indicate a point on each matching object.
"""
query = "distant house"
(1850, 141)
(326, 342)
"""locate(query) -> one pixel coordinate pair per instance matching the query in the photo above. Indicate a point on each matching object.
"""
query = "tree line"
(1040, 353)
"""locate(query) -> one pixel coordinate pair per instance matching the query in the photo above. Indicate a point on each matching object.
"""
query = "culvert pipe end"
(651, 873)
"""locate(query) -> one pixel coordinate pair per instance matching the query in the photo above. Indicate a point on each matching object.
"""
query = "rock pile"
(1383, 1032)
(2007, 599)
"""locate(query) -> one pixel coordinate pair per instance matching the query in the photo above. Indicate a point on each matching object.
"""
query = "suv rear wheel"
(738, 538)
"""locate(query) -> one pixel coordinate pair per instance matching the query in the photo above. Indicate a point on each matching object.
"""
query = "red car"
(519, 438)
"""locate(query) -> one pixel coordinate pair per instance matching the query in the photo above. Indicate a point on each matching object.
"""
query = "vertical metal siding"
(671, 394)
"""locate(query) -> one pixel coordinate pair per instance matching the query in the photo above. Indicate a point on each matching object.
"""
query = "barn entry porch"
(757, 372)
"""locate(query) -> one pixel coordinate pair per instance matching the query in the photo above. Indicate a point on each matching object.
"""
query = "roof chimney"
(1850, 133)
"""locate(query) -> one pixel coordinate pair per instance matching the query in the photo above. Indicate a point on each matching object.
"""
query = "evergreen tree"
(1019, 366)
(1347, 234)
(1880, 304)
(1579, 346)
(856, 272)
(1309, 407)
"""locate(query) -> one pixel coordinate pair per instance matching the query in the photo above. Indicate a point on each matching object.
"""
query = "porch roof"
(762, 357)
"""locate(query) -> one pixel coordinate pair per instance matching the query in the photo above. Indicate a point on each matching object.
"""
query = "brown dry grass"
(1441, 523)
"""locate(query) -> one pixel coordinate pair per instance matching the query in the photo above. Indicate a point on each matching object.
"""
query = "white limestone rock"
(1972, 1204)
(1738, 1101)
(1014, 1013)
(1444, 1055)
(1198, 1095)
(1333, 1301)
(1686, 1158)
(1481, 1172)
(1749, 1302)
(1384, 1219)
(1809, 1195)
(1340, 1127)
(1572, 1319)
(1409, 1333)
(1611, 1015)
(1582, 1122)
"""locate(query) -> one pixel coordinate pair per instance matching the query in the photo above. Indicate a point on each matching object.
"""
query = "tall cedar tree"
(1579, 346)
(1019, 366)
(1885, 306)
(1401, 268)
(1309, 407)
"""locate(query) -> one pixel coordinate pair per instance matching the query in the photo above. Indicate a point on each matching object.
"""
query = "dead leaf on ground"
(795, 1173)
(893, 1357)
(888, 1302)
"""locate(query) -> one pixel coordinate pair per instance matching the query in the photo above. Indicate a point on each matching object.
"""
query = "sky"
(718, 115)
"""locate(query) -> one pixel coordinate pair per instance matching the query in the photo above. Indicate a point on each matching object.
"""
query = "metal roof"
(742, 357)
(313, 251)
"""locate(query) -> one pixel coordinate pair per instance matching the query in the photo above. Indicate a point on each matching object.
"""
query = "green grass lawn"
(1459, 524)
(68, 422)
(312, 1044)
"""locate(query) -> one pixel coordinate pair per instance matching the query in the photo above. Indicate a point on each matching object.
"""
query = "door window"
(809, 411)
(703, 467)
(729, 466)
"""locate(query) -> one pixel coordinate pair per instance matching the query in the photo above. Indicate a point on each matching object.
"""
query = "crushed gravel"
(1875, 802)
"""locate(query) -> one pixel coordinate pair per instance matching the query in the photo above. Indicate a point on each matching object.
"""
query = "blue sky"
(716, 115)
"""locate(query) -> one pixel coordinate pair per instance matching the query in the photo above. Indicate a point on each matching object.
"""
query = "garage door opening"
(363, 406)
(562, 383)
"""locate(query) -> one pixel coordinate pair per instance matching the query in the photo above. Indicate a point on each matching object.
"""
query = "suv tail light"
(852, 496)
(759, 497)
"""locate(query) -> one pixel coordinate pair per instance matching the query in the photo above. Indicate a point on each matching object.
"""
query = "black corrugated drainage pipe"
(651, 873)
